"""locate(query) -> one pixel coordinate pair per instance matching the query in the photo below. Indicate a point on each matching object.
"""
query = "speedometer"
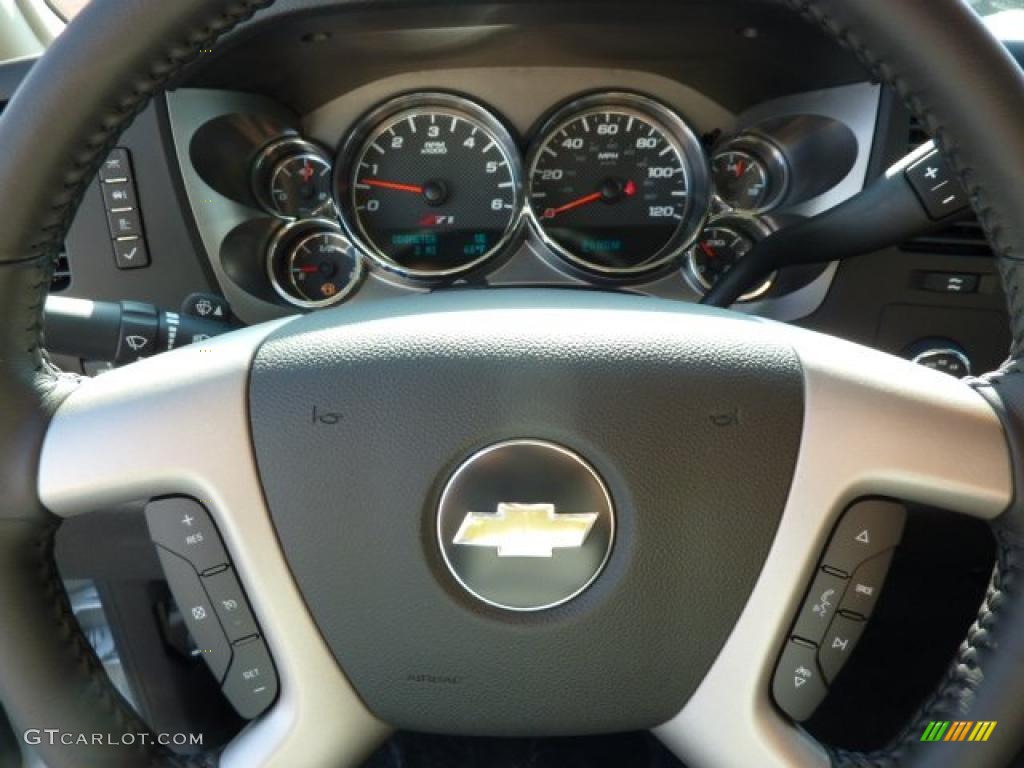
(618, 184)
(432, 186)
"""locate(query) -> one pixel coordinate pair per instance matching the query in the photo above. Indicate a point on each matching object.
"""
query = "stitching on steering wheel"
(1009, 262)
(34, 331)
(43, 250)
(163, 68)
(963, 674)
(988, 218)
(1009, 272)
(53, 590)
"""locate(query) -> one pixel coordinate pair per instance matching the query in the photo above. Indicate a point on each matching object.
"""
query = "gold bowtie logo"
(525, 530)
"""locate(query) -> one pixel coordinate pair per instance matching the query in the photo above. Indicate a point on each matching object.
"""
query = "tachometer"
(433, 186)
(618, 184)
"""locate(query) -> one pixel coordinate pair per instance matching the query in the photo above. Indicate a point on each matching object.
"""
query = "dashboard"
(329, 154)
(514, 176)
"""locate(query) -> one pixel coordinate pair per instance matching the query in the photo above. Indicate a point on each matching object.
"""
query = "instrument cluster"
(433, 187)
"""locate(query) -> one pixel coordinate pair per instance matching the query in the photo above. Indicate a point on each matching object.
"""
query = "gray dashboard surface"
(305, 52)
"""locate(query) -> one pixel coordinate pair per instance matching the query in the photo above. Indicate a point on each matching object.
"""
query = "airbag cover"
(361, 415)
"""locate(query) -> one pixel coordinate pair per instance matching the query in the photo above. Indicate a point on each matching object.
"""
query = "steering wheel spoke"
(178, 424)
(874, 426)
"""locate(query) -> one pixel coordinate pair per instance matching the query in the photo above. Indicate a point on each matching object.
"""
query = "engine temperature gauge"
(722, 243)
(313, 265)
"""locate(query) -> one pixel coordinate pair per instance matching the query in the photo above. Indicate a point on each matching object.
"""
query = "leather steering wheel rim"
(103, 71)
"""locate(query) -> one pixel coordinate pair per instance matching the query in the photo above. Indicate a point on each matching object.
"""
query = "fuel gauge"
(313, 265)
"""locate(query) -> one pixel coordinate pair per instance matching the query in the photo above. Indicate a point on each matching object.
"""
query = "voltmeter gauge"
(292, 180)
(313, 265)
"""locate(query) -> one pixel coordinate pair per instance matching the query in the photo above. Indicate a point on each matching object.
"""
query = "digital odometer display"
(611, 188)
(434, 189)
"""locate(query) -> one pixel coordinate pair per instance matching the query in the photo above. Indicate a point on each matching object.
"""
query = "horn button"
(547, 531)
(525, 500)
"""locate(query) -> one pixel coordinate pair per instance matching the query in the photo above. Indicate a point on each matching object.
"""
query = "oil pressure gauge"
(292, 180)
(750, 174)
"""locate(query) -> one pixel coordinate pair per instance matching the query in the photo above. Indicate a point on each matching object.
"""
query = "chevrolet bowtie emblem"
(525, 530)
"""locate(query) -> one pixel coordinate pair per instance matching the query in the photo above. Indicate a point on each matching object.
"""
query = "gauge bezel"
(775, 164)
(696, 169)
(959, 354)
(267, 166)
(375, 123)
(283, 245)
(749, 226)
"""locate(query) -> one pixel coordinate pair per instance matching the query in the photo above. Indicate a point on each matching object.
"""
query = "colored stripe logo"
(958, 730)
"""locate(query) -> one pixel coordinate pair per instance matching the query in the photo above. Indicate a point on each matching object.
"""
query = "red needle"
(550, 213)
(393, 185)
(740, 168)
(708, 250)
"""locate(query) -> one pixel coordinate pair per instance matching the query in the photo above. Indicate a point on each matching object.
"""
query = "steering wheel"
(332, 525)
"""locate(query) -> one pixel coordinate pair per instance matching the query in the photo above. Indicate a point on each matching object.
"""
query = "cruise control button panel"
(841, 599)
(251, 684)
(184, 527)
(209, 595)
(230, 604)
(197, 610)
